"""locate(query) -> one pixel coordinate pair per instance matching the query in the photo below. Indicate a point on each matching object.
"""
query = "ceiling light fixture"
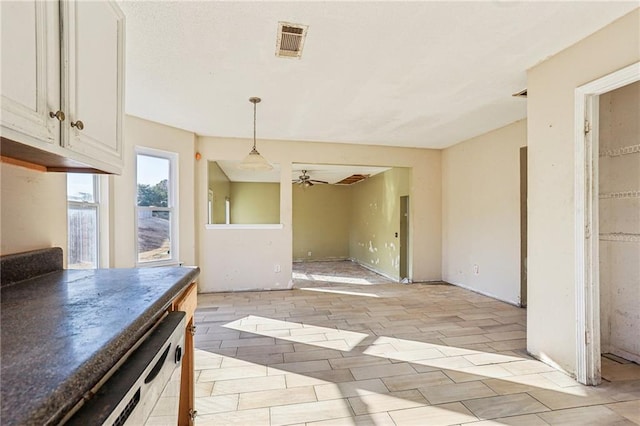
(255, 161)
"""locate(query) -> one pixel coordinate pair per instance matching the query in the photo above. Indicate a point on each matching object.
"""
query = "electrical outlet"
(476, 269)
(309, 254)
(276, 268)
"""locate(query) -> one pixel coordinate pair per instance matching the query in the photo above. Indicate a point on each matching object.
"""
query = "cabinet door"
(30, 72)
(93, 55)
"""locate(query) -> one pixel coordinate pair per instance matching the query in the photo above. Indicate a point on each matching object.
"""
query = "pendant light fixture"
(255, 161)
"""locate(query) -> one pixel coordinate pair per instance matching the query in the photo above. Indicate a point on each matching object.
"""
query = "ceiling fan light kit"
(305, 181)
(255, 161)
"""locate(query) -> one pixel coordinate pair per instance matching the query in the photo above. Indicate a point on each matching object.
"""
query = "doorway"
(619, 221)
(587, 212)
(523, 227)
(404, 238)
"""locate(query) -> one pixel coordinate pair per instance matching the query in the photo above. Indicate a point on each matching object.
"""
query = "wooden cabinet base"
(187, 302)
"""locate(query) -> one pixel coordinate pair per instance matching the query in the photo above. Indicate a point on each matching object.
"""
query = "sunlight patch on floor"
(324, 337)
(331, 278)
(331, 290)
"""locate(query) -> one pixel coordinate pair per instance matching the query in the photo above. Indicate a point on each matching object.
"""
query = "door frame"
(587, 259)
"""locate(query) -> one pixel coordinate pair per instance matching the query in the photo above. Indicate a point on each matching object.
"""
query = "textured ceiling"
(326, 172)
(416, 74)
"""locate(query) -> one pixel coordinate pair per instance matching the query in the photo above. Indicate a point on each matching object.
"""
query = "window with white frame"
(83, 202)
(156, 216)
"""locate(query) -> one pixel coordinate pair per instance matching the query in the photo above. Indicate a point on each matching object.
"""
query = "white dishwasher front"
(145, 389)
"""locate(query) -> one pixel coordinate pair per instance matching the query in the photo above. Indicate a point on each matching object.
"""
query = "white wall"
(481, 212)
(33, 208)
(241, 259)
(139, 132)
(551, 313)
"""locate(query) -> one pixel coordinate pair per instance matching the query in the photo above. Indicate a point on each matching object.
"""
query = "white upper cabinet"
(93, 64)
(30, 72)
(63, 84)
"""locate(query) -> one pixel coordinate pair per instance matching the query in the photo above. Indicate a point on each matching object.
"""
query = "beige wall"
(33, 210)
(143, 133)
(220, 185)
(551, 313)
(242, 259)
(375, 220)
(321, 218)
(619, 219)
(481, 212)
(255, 202)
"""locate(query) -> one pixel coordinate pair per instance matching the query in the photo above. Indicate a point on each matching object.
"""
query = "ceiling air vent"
(352, 179)
(290, 40)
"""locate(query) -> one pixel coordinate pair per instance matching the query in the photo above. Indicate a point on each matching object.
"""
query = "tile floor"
(348, 347)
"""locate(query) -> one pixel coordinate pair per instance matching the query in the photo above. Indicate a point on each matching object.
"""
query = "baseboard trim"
(486, 293)
(365, 266)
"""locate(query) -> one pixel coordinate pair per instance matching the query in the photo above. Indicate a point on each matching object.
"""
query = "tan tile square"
(259, 417)
(375, 371)
(583, 416)
(270, 398)
(480, 372)
(224, 387)
(357, 361)
(620, 372)
(492, 358)
(349, 389)
(456, 392)
(415, 381)
(232, 373)
(265, 349)
(454, 362)
(476, 338)
(504, 406)
(569, 397)
(298, 367)
(255, 341)
(377, 419)
(507, 335)
(519, 384)
(216, 404)
(334, 376)
(508, 345)
(313, 355)
(415, 355)
(436, 415)
(386, 402)
(560, 379)
(310, 412)
(527, 367)
(462, 331)
(203, 389)
(629, 410)
(526, 420)
(296, 380)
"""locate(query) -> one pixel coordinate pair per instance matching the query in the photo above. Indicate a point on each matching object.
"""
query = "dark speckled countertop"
(62, 331)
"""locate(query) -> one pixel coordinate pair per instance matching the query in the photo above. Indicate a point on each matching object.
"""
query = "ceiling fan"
(305, 181)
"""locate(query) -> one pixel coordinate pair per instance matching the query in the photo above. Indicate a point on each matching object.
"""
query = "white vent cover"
(290, 40)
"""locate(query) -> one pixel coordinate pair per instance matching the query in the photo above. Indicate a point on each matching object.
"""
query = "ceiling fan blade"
(318, 181)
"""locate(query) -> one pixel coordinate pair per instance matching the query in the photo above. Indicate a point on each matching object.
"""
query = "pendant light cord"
(254, 126)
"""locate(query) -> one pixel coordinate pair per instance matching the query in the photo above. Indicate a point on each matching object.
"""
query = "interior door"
(523, 226)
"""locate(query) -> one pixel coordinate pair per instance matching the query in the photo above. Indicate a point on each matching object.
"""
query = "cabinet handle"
(78, 125)
(58, 114)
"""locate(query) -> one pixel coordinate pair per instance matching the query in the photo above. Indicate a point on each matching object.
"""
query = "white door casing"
(586, 220)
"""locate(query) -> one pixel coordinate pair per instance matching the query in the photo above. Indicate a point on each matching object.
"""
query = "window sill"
(246, 226)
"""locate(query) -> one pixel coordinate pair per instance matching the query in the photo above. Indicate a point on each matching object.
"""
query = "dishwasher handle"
(156, 368)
